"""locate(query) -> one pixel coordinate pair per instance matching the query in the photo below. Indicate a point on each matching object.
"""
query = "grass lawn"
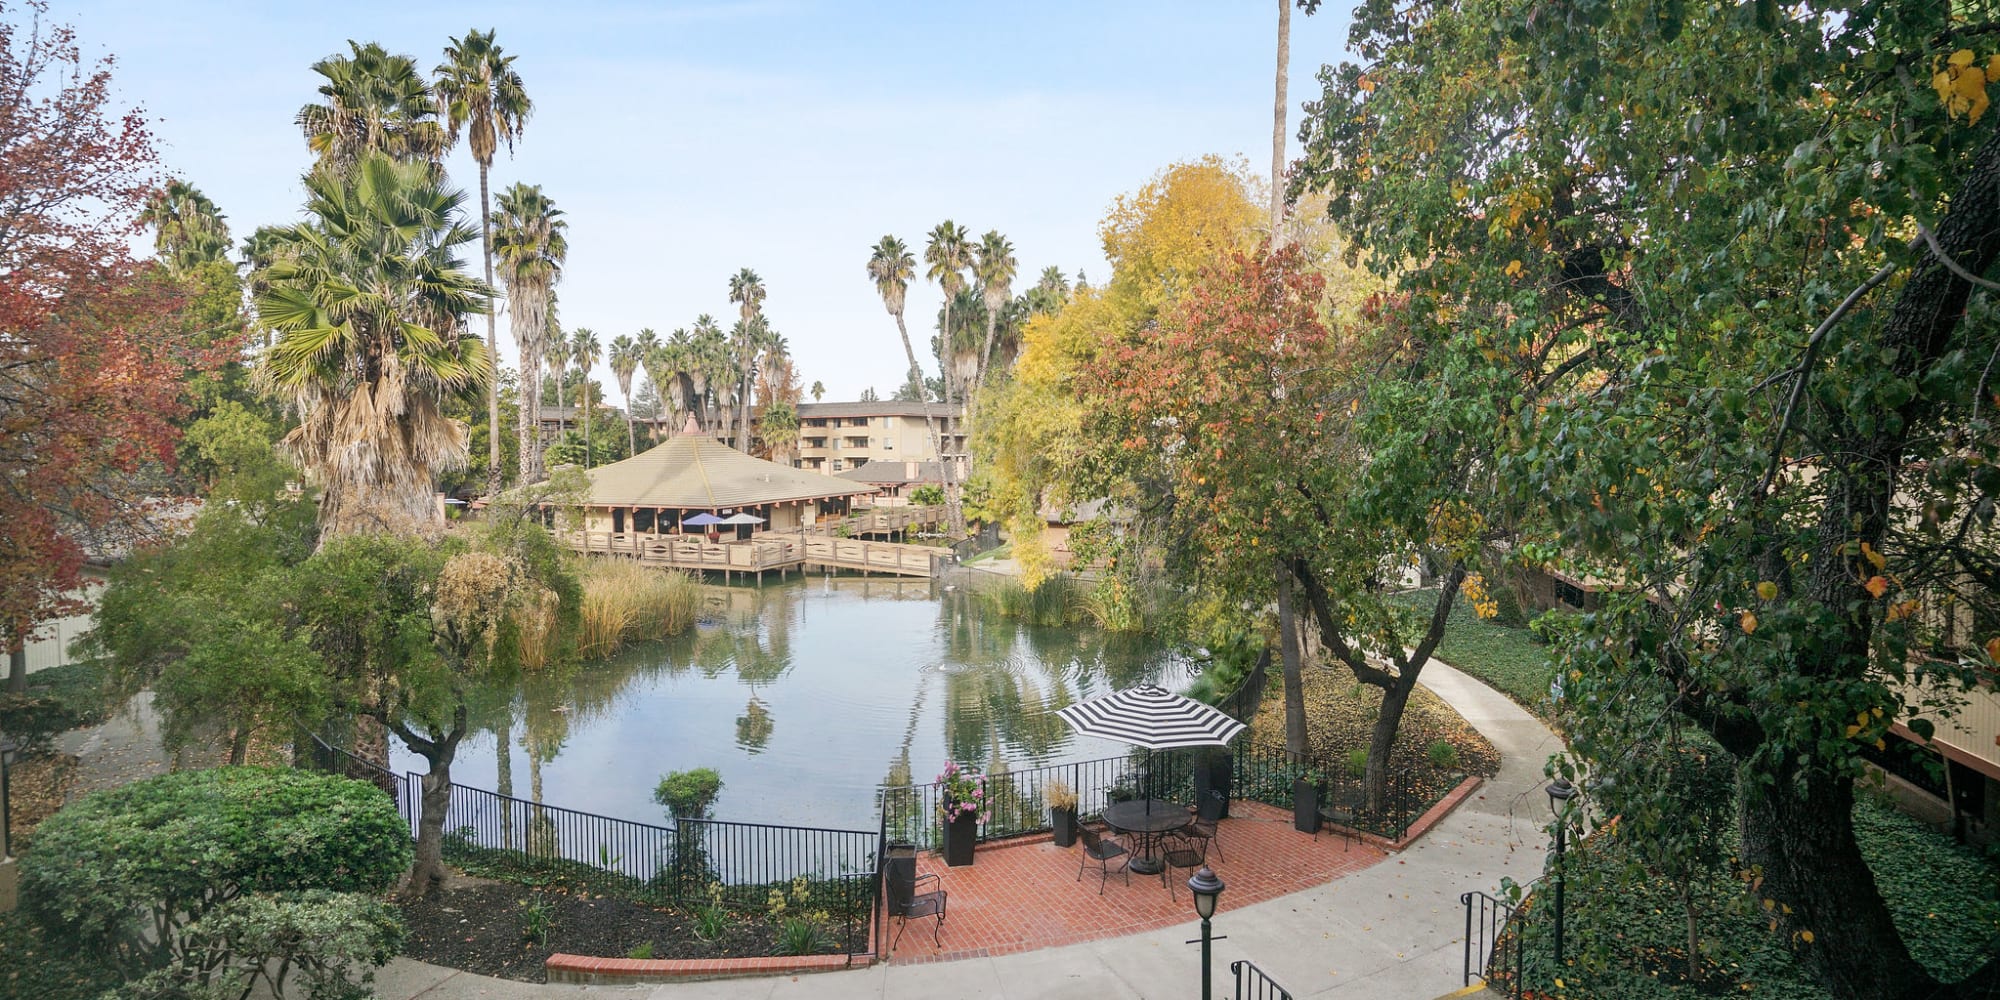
(1629, 940)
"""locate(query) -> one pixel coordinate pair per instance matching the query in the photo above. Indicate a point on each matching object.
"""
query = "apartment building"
(840, 437)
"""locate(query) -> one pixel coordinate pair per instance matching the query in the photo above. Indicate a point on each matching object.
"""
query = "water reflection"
(874, 681)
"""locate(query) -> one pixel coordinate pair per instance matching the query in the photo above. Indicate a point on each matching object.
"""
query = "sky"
(684, 141)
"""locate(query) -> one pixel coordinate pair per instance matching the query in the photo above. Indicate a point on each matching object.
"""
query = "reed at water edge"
(626, 602)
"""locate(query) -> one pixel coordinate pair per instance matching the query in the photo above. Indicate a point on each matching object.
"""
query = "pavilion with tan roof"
(652, 492)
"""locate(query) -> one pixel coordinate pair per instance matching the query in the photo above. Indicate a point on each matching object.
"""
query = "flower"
(964, 792)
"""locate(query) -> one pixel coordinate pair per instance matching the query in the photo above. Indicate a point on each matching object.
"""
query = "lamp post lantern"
(7, 748)
(1205, 888)
(1560, 792)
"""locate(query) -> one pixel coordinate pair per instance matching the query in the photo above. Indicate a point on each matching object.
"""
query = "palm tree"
(1050, 293)
(624, 359)
(746, 289)
(556, 355)
(891, 267)
(995, 269)
(530, 243)
(586, 352)
(260, 250)
(479, 93)
(948, 253)
(707, 363)
(369, 299)
(188, 230)
(374, 102)
(818, 389)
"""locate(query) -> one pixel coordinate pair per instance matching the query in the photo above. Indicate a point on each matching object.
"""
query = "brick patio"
(1023, 894)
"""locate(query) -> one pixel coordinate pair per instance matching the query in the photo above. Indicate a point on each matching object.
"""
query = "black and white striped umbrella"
(1152, 717)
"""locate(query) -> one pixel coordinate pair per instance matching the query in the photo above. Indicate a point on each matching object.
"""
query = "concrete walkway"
(1390, 932)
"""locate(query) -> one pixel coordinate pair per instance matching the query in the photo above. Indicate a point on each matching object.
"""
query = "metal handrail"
(1261, 984)
(1486, 920)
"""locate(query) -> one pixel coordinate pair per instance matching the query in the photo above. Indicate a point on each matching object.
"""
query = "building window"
(836, 465)
(888, 444)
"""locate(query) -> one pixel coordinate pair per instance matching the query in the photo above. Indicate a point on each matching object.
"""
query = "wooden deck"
(766, 553)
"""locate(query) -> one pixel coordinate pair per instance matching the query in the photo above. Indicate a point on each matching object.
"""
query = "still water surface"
(805, 696)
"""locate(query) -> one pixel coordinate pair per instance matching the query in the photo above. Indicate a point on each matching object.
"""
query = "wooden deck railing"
(764, 553)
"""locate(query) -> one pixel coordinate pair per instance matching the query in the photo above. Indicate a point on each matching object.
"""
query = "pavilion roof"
(695, 471)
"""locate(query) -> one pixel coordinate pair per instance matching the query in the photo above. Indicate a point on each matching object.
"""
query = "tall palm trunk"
(954, 502)
(743, 411)
(1278, 127)
(492, 339)
(559, 406)
(930, 424)
(583, 396)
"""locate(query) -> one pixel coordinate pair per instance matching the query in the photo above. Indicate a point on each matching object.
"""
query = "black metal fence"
(1490, 954)
(692, 862)
(1242, 703)
(1017, 799)
(1252, 983)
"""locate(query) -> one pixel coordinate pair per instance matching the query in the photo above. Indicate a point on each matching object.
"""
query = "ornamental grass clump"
(626, 602)
(964, 792)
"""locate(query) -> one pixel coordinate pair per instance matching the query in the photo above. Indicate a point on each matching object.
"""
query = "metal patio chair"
(1097, 848)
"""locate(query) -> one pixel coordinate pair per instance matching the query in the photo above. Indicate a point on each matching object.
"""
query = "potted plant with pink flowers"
(963, 806)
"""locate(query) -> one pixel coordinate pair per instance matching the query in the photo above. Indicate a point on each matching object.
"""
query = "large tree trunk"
(428, 871)
(1278, 127)
(531, 405)
(493, 482)
(1295, 688)
(1382, 741)
(17, 666)
(1803, 837)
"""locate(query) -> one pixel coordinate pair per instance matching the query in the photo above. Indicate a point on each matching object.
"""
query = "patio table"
(1145, 820)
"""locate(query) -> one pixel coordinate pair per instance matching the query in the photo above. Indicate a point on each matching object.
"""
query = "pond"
(804, 696)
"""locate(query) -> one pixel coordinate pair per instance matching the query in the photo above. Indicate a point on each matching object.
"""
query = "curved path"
(1392, 931)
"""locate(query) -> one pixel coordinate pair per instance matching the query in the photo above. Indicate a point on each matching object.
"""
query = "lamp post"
(7, 748)
(1206, 888)
(1560, 792)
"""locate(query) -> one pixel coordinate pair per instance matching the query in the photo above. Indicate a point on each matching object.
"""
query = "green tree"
(482, 94)
(1741, 254)
(373, 102)
(530, 241)
(369, 300)
(624, 357)
(818, 389)
(200, 622)
(890, 267)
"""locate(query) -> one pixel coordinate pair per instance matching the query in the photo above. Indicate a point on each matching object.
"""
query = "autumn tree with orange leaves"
(92, 358)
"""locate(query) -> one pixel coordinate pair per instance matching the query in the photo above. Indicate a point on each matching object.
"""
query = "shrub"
(1059, 795)
(927, 495)
(641, 951)
(1443, 755)
(130, 873)
(688, 794)
(1357, 761)
(310, 938)
(34, 722)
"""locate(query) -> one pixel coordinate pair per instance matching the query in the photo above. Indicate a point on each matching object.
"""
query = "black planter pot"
(1063, 821)
(1212, 774)
(1305, 806)
(959, 836)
